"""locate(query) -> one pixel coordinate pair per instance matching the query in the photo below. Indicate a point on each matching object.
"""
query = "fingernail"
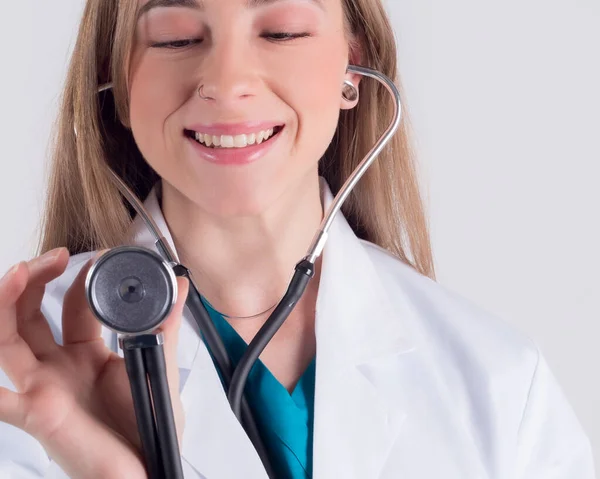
(49, 257)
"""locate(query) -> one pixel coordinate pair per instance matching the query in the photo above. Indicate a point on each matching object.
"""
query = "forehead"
(147, 5)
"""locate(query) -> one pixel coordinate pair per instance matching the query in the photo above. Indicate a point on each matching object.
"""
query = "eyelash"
(280, 37)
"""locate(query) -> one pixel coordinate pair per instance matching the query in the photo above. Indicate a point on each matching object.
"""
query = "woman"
(234, 120)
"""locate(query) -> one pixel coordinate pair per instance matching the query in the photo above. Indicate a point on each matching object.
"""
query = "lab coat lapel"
(214, 442)
(359, 338)
(212, 434)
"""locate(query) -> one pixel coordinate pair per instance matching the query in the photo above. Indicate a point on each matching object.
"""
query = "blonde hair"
(85, 212)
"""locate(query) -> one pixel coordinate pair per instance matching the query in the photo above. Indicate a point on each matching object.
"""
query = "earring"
(349, 92)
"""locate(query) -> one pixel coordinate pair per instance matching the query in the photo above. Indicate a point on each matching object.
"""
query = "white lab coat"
(412, 381)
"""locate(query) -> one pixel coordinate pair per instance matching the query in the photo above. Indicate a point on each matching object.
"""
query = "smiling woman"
(236, 122)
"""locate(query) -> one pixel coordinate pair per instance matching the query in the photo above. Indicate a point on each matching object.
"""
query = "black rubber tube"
(304, 272)
(217, 348)
(136, 371)
(154, 357)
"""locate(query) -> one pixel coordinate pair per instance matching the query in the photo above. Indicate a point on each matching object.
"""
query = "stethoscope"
(146, 290)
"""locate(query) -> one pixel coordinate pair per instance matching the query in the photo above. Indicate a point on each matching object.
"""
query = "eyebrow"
(199, 4)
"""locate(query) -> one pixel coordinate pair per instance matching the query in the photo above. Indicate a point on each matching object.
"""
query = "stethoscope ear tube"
(301, 277)
(305, 271)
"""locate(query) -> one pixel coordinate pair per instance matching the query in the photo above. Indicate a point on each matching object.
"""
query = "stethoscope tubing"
(235, 379)
(147, 372)
(142, 402)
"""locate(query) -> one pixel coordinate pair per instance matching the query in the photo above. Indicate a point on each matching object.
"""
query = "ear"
(354, 58)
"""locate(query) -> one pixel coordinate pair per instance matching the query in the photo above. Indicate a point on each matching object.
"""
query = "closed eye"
(275, 36)
(177, 44)
(284, 36)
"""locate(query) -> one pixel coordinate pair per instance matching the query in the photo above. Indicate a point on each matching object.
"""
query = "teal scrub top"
(285, 420)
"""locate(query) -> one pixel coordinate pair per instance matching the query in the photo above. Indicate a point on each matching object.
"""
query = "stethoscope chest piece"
(131, 290)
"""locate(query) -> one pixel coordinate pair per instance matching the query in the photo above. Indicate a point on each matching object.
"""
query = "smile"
(233, 141)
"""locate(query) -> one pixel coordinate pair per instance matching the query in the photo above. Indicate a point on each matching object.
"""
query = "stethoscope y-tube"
(302, 275)
(215, 344)
(235, 380)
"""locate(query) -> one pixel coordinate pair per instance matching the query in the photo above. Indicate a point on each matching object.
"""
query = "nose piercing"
(349, 92)
(201, 93)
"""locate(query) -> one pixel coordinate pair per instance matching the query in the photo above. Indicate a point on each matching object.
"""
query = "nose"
(227, 73)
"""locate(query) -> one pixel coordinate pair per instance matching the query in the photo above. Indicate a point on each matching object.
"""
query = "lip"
(234, 156)
(233, 129)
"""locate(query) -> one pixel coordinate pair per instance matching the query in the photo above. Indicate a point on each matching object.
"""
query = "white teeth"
(237, 141)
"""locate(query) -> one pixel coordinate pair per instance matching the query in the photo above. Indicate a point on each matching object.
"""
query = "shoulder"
(462, 337)
(490, 373)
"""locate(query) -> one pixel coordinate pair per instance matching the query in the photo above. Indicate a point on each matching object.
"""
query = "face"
(230, 72)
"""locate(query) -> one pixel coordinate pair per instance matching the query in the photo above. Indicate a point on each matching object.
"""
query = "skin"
(242, 229)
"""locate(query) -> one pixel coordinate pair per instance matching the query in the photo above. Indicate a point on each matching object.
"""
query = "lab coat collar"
(352, 303)
(360, 338)
(359, 331)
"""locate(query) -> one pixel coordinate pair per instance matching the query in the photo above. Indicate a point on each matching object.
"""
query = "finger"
(11, 407)
(78, 322)
(32, 325)
(16, 358)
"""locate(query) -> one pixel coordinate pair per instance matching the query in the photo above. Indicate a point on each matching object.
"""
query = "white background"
(505, 102)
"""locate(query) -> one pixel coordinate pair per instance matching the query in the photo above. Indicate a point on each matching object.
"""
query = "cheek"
(154, 96)
(317, 84)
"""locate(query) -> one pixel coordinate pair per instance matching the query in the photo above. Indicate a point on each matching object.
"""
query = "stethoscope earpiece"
(349, 92)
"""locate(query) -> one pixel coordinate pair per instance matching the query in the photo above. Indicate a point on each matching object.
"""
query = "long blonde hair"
(84, 211)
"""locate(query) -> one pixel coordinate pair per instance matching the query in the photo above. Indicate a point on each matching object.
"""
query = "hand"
(75, 399)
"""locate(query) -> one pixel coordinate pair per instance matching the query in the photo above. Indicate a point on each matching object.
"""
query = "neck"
(242, 265)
